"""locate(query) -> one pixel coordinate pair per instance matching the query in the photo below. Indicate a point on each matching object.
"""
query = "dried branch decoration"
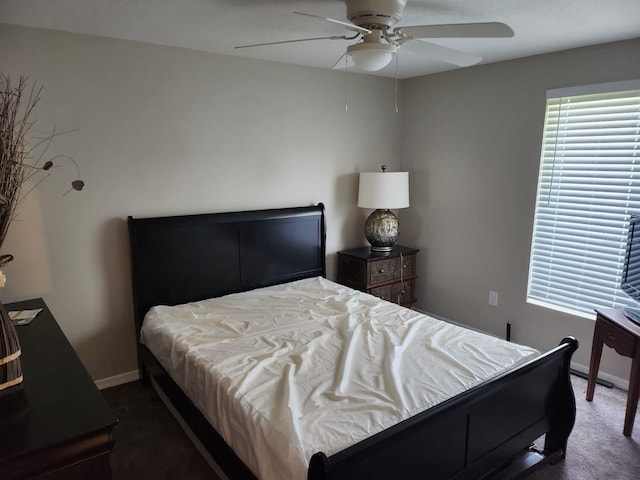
(20, 161)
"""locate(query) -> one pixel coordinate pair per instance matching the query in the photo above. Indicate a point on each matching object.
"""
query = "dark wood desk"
(618, 332)
(57, 425)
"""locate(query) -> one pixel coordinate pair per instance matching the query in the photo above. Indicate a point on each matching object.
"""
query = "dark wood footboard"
(483, 433)
(480, 433)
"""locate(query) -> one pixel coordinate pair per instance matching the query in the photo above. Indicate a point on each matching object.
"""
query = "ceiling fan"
(378, 40)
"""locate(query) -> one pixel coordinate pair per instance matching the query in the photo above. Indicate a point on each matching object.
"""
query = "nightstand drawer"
(382, 271)
(401, 293)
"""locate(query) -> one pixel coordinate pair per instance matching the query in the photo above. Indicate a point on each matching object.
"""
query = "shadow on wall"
(352, 232)
(116, 259)
(412, 219)
(119, 338)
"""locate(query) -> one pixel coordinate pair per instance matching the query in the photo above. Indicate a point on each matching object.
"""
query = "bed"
(485, 431)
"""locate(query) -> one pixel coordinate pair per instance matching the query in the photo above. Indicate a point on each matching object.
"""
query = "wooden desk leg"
(632, 397)
(594, 365)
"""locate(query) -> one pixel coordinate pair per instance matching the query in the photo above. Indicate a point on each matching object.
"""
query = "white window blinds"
(589, 184)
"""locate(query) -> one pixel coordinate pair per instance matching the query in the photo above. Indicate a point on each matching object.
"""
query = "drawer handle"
(611, 337)
(404, 266)
(381, 270)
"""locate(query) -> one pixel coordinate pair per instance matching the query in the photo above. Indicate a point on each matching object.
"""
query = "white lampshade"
(371, 56)
(383, 190)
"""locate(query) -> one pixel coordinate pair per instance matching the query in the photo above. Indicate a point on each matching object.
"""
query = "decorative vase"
(10, 367)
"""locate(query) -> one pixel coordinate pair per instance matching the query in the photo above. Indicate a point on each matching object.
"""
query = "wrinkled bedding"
(286, 371)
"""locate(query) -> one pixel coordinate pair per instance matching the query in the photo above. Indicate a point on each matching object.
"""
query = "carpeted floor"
(151, 445)
(597, 448)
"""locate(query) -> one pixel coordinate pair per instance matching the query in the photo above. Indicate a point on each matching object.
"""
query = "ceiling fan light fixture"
(371, 57)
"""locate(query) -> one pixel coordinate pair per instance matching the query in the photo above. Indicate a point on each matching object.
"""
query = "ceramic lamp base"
(381, 230)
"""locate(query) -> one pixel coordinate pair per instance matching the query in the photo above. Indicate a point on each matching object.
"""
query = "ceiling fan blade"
(448, 55)
(350, 26)
(294, 41)
(459, 30)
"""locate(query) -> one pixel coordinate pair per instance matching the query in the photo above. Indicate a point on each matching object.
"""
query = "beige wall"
(471, 140)
(166, 131)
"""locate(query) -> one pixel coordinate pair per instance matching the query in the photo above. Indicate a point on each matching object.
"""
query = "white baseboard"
(617, 381)
(116, 380)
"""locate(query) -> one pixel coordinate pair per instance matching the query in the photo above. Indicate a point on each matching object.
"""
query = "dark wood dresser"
(57, 425)
(390, 276)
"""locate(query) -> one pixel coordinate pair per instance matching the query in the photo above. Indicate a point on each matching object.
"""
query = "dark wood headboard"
(187, 258)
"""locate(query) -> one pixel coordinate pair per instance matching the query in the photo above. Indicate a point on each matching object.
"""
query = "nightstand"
(390, 276)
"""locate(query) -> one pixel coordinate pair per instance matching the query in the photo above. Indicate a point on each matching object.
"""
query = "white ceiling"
(219, 25)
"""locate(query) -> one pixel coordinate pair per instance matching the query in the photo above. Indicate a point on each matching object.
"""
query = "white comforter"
(286, 371)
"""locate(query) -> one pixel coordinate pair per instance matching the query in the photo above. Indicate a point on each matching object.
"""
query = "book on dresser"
(390, 276)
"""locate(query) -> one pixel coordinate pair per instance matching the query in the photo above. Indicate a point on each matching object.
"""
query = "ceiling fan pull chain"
(396, 92)
(346, 82)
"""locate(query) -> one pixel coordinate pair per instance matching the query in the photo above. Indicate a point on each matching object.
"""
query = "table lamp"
(383, 191)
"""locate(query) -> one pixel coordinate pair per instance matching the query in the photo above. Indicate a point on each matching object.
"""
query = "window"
(589, 184)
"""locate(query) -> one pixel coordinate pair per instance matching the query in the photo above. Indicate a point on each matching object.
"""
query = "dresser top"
(57, 401)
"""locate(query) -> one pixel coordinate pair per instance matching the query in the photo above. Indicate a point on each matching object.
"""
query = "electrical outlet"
(493, 298)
